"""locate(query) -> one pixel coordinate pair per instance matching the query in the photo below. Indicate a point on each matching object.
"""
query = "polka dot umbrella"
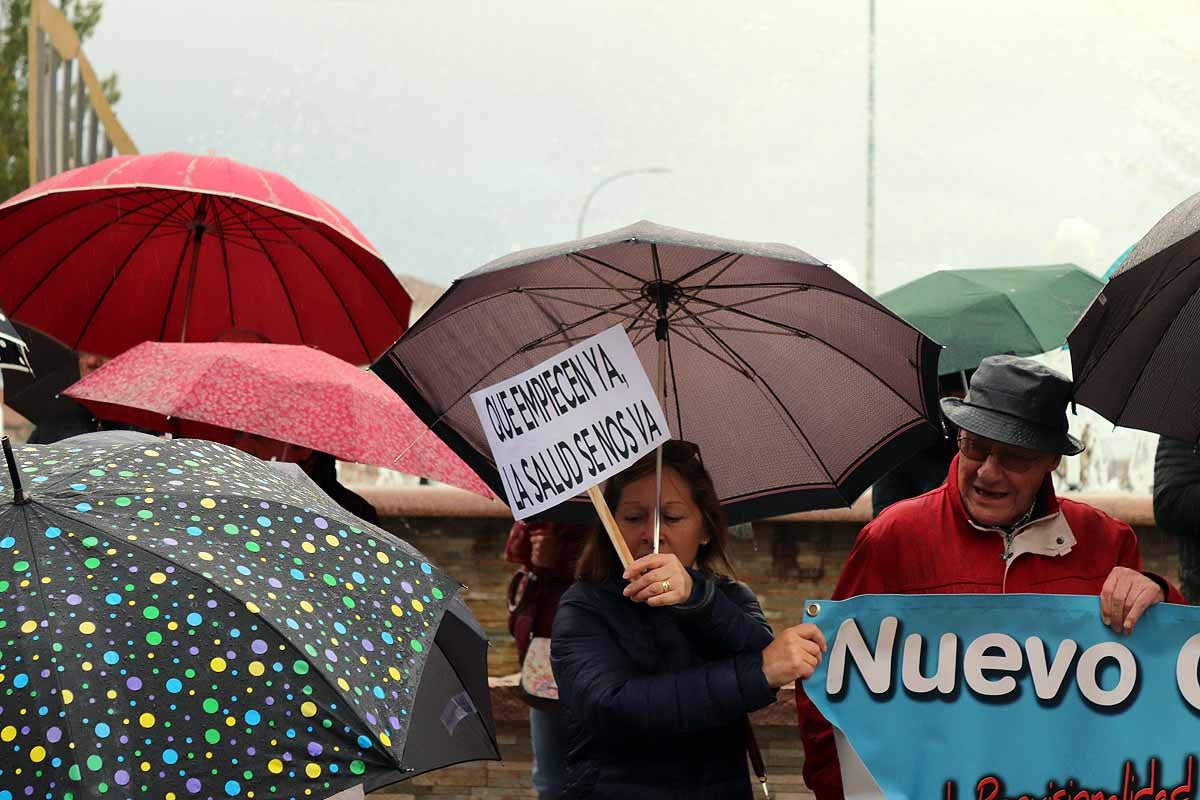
(181, 620)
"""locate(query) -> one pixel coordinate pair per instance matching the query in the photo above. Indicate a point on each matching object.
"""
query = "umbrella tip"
(18, 494)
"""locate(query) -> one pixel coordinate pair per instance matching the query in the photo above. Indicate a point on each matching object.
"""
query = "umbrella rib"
(781, 408)
(1025, 322)
(225, 262)
(74, 248)
(81, 207)
(113, 280)
(741, 370)
(219, 224)
(654, 261)
(587, 268)
(706, 265)
(568, 340)
(793, 287)
(675, 384)
(589, 306)
(283, 284)
(526, 348)
(764, 285)
(162, 233)
(323, 230)
(536, 300)
(1141, 372)
(1092, 362)
(718, 273)
(320, 230)
(627, 293)
(187, 240)
(633, 325)
(687, 298)
(727, 328)
(806, 335)
(590, 318)
(576, 256)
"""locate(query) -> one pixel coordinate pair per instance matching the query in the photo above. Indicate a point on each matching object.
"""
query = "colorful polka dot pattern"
(181, 621)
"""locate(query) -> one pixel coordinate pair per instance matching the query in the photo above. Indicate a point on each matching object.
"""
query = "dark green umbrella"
(975, 313)
(179, 619)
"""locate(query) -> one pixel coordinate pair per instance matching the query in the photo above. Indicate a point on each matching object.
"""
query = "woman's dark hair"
(599, 560)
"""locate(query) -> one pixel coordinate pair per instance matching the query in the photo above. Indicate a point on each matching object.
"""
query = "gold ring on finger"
(666, 587)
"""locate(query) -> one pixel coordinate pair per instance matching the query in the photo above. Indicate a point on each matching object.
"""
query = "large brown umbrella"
(799, 388)
(1133, 353)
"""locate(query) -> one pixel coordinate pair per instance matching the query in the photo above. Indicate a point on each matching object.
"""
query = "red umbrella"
(175, 247)
(286, 392)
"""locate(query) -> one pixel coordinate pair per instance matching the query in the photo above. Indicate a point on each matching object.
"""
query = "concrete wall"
(789, 559)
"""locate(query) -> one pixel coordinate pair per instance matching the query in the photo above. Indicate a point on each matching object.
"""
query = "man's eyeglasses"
(1013, 460)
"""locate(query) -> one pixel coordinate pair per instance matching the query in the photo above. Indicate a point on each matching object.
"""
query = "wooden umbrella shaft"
(610, 526)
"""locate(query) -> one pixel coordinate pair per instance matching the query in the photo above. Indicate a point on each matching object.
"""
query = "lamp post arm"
(625, 173)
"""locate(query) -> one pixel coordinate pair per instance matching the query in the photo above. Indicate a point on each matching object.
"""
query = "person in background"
(547, 553)
(320, 467)
(926, 470)
(78, 419)
(659, 664)
(1177, 506)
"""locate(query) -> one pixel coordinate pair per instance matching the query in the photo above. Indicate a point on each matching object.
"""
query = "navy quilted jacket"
(655, 699)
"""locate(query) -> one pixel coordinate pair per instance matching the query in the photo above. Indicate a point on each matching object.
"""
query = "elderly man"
(994, 526)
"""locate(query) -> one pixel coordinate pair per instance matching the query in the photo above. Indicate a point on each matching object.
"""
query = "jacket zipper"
(1009, 536)
(1008, 543)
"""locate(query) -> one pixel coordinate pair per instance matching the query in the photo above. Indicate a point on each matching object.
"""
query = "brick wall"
(787, 561)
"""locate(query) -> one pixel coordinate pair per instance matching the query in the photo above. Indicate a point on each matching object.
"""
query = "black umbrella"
(799, 388)
(179, 619)
(1133, 351)
(14, 353)
(35, 395)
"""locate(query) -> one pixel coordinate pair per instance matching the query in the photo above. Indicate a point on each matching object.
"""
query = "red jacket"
(927, 545)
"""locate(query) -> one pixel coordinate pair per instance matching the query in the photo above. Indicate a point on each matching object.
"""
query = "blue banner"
(990, 697)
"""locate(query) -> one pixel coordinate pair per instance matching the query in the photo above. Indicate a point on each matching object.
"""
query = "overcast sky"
(1022, 132)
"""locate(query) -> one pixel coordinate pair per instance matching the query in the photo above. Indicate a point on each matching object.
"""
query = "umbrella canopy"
(798, 387)
(1132, 353)
(976, 313)
(14, 352)
(36, 396)
(179, 619)
(286, 392)
(175, 247)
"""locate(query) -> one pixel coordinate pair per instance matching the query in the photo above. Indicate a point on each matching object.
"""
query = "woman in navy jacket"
(657, 666)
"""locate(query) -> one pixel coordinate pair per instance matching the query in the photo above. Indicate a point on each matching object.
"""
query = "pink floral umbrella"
(291, 393)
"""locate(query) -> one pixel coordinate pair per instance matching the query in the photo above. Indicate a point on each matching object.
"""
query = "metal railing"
(71, 123)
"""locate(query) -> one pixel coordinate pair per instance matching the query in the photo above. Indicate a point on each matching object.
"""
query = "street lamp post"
(616, 176)
(869, 271)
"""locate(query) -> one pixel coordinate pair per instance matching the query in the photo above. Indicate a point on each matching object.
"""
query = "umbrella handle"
(610, 525)
(18, 494)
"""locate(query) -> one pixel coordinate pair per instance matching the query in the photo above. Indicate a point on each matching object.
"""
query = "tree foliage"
(14, 82)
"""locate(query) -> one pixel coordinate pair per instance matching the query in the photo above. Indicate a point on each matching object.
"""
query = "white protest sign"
(571, 422)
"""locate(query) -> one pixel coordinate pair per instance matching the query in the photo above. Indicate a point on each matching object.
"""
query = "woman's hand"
(543, 549)
(793, 655)
(658, 579)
